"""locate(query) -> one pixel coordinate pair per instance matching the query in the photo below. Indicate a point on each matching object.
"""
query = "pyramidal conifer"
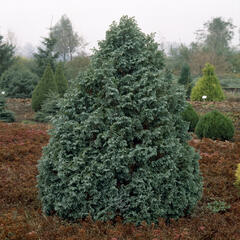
(45, 85)
(208, 85)
(119, 145)
(60, 79)
(185, 76)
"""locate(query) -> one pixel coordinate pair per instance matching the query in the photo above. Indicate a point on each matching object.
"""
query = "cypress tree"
(185, 76)
(45, 85)
(119, 145)
(185, 79)
(60, 79)
(208, 85)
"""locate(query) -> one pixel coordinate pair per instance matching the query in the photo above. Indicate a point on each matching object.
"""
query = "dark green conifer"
(185, 76)
(46, 55)
(119, 145)
(185, 79)
(45, 85)
(60, 79)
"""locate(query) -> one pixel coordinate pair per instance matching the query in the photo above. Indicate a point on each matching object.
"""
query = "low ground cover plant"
(218, 206)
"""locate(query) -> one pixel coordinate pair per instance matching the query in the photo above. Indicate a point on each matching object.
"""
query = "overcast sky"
(172, 20)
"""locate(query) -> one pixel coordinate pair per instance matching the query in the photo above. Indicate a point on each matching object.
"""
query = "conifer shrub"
(215, 125)
(5, 115)
(18, 81)
(186, 80)
(118, 145)
(189, 115)
(61, 81)
(208, 85)
(49, 108)
(46, 84)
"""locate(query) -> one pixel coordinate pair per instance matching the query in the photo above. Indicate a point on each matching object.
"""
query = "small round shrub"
(18, 81)
(5, 115)
(190, 115)
(215, 125)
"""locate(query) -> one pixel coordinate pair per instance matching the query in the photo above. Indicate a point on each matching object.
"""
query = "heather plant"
(215, 125)
(118, 144)
(46, 84)
(218, 206)
(190, 115)
(208, 85)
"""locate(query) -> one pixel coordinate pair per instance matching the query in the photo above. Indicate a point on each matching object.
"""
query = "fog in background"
(172, 20)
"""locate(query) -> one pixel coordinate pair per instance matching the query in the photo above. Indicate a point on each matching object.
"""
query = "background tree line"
(212, 45)
(20, 75)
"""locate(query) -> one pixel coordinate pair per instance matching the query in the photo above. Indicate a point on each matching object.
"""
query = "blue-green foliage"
(119, 145)
(5, 115)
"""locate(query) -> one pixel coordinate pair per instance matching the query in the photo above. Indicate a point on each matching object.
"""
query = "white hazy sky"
(172, 20)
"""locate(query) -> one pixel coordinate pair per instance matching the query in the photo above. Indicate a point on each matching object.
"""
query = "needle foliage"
(118, 145)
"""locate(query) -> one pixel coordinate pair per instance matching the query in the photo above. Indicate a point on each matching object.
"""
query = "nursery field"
(217, 215)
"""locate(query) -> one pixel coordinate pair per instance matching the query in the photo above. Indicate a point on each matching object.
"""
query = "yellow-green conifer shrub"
(208, 85)
(237, 174)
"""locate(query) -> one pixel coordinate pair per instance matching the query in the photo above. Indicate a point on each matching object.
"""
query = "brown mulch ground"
(21, 214)
(22, 107)
(224, 106)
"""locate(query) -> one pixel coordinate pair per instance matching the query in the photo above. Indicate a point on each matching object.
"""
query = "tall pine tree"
(6, 55)
(119, 145)
(45, 55)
